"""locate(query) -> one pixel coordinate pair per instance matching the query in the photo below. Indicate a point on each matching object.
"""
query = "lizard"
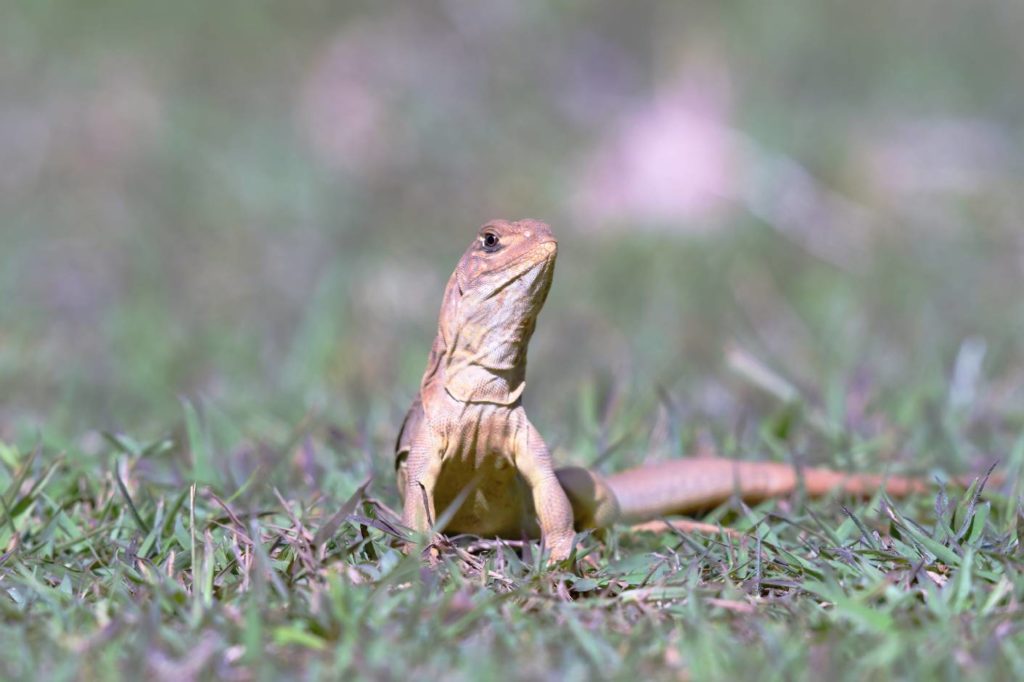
(467, 450)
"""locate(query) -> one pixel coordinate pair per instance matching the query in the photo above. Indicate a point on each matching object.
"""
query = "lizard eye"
(490, 241)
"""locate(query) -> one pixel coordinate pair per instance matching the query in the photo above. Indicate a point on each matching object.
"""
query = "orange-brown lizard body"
(467, 435)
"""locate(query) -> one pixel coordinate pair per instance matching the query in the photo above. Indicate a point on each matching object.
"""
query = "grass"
(166, 559)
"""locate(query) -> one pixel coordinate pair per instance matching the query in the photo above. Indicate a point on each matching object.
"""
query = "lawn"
(226, 232)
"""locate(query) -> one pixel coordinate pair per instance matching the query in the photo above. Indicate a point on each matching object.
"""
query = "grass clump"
(124, 565)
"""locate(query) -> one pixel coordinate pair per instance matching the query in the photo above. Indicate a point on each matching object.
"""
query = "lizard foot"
(560, 548)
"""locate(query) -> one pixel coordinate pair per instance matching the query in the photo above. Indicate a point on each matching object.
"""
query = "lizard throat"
(486, 361)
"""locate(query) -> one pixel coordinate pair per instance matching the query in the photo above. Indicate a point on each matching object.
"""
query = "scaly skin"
(467, 433)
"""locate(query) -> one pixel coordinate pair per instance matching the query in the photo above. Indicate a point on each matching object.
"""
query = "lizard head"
(505, 253)
(491, 306)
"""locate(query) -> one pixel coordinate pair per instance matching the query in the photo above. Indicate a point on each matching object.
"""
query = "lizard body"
(466, 442)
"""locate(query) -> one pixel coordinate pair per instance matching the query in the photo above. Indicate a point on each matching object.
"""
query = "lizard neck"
(487, 362)
(480, 357)
(459, 376)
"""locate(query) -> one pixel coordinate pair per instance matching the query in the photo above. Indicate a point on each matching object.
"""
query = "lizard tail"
(686, 486)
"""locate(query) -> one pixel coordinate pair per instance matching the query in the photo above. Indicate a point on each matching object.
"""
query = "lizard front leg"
(554, 513)
(422, 468)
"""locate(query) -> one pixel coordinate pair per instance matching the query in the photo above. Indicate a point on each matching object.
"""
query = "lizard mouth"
(550, 246)
(542, 252)
(540, 259)
(530, 272)
(539, 255)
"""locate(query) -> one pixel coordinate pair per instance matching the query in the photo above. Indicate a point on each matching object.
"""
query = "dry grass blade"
(140, 522)
(330, 527)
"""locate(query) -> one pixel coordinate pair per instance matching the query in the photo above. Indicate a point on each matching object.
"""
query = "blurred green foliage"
(259, 202)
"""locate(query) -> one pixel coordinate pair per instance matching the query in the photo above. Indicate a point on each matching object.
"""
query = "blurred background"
(254, 207)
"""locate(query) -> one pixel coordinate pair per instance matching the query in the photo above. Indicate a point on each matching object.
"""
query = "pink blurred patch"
(341, 113)
(123, 116)
(672, 163)
(347, 108)
(86, 135)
